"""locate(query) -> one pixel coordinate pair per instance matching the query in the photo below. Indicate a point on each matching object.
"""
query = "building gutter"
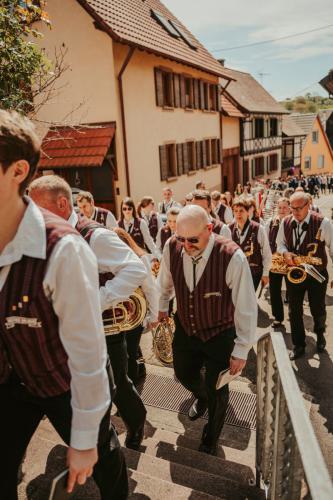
(123, 118)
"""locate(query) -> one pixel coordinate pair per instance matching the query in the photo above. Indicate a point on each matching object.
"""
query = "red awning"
(68, 147)
(229, 108)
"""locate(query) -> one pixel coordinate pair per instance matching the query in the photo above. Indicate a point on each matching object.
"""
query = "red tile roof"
(229, 109)
(82, 147)
(130, 22)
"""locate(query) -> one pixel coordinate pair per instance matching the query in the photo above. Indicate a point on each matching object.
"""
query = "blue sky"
(293, 66)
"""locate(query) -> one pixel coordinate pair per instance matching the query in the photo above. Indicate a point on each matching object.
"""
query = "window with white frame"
(307, 162)
(321, 161)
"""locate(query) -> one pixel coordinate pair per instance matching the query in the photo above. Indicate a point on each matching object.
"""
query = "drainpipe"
(221, 134)
(123, 119)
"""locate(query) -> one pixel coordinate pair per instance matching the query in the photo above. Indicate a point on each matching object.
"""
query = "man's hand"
(289, 258)
(236, 365)
(152, 325)
(80, 463)
(264, 280)
(162, 316)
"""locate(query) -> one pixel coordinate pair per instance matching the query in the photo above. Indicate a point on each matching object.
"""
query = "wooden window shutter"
(253, 168)
(204, 153)
(202, 94)
(196, 91)
(159, 87)
(176, 90)
(180, 163)
(199, 154)
(219, 151)
(217, 97)
(185, 158)
(163, 163)
(182, 92)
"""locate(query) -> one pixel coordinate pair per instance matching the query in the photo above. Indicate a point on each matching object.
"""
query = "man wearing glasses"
(216, 313)
(300, 233)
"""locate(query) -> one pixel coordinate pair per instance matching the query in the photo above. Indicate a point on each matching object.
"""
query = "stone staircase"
(168, 465)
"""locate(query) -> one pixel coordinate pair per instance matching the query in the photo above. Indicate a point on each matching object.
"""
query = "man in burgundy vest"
(203, 199)
(49, 364)
(120, 273)
(275, 279)
(303, 233)
(216, 313)
(86, 204)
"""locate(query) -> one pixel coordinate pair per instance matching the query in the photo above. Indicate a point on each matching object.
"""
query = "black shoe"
(134, 439)
(321, 343)
(209, 449)
(277, 324)
(298, 352)
(198, 409)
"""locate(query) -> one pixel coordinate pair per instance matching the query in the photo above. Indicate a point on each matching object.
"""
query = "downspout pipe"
(221, 134)
(123, 119)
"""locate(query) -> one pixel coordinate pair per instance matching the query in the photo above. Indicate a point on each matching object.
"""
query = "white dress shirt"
(167, 205)
(238, 279)
(264, 247)
(71, 285)
(110, 222)
(113, 255)
(228, 215)
(224, 231)
(150, 290)
(326, 235)
(149, 242)
(146, 218)
(159, 242)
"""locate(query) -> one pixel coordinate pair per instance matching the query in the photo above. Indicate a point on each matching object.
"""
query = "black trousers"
(133, 349)
(127, 399)
(190, 355)
(275, 287)
(316, 295)
(20, 415)
(256, 278)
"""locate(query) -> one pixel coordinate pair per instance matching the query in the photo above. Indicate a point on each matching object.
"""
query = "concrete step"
(144, 486)
(165, 447)
(189, 477)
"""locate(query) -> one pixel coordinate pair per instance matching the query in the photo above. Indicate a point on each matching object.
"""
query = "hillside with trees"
(310, 103)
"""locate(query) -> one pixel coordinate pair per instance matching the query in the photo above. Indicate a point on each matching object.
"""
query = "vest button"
(194, 331)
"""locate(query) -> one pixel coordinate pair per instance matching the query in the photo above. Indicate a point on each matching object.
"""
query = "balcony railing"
(289, 462)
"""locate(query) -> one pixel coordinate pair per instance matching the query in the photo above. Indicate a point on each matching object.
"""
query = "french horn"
(162, 340)
(126, 315)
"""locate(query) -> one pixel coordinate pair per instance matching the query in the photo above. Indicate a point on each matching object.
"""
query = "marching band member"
(216, 317)
(253, 211)
(300, 233)
(86, 204)
(137, 370)
(168, 229)
(221, 208)
(52, 359)
(203, 199)
(252, 239)
(168, 202)
(146, 212)
(275, 279)
(135, 226)
(120, 272)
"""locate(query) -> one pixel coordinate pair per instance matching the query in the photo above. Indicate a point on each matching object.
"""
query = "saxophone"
(304, 265)
(126, 315)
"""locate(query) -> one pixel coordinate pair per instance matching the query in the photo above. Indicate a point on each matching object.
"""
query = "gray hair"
(52, 185)
(300, 195)
(194, 214)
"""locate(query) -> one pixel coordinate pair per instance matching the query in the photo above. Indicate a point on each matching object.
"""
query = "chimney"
(221, 61)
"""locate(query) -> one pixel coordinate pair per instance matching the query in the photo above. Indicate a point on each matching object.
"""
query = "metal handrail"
(288, 457)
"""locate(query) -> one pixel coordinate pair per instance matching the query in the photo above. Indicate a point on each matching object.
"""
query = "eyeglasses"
(298, 209)
(127, 209)
(193, 240)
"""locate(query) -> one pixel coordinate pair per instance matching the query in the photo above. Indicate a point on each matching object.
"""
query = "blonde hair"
(52, 185)
(127, 238)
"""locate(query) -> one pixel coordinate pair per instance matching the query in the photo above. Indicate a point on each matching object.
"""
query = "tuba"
(162, 340)
(126, 315)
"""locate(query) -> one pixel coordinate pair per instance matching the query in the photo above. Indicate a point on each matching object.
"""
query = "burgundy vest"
(208, 310)
(255, 259)
(312, 236)
(273, 231)
(135, 232)
(165, 235)
(34, 351)
(100, 215)
(86, 227)
(221, 212)
(217, 226)
(153, 225)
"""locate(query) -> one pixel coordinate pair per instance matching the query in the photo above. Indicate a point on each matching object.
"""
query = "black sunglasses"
(181, 239)
(127, 209)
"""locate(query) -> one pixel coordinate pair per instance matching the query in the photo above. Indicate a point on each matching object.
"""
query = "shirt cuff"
(164, 305)
(241, 351)
(84, 440)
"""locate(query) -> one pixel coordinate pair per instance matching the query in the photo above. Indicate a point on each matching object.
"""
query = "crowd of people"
(64, 266)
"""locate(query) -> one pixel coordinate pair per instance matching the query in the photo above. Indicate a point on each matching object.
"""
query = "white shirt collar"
(307, 219)
(73, 219)
(30, 237)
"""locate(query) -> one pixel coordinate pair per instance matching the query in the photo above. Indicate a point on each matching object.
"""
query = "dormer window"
(183, 35)
(165, 24)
